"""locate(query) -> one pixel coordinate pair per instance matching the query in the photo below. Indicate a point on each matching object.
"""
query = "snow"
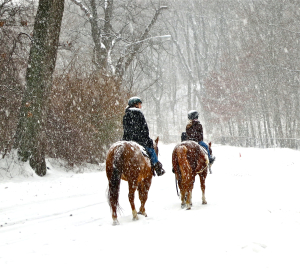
(252, 219)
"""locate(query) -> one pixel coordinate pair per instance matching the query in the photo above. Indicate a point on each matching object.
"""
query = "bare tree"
(115, 47)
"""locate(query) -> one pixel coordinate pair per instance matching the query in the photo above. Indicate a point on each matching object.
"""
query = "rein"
(202, 169)
(176, 187)
(207, 163)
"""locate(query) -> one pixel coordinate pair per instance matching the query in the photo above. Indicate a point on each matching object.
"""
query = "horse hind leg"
(202, 181)
(132, 189)
(134, 215)
(181, 189)
(189, 200)
(143, 189)
(183, 197)
(115, 222)
(188, 194)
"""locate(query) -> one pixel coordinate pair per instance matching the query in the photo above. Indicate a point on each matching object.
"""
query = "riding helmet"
(134, 100)
(193, 114)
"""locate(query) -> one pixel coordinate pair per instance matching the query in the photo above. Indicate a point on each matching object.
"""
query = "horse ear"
(209, 144)
(156, 140)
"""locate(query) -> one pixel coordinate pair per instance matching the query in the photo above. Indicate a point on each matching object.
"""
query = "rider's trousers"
(153, 156)
(203, 144)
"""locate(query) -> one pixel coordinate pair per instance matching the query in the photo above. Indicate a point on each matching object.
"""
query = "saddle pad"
(143, 150)
(145, 153)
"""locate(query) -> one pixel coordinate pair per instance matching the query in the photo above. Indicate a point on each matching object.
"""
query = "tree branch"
(137, 45)
(83, 8)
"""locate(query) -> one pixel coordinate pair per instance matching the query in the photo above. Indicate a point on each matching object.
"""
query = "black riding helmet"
(134, 100)
(193, 114)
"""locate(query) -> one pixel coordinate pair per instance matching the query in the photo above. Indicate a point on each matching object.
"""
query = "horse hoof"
(204, 203)
(135, 218)
(188, 207)
(182, 205)
(115, 222)
(144, 214)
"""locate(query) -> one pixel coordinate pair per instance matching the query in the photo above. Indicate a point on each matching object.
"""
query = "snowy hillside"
(252, 219)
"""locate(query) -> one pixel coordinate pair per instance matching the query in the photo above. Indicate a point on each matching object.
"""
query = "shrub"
(84, 117)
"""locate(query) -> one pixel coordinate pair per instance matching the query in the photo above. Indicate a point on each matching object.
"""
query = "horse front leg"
(143, 189)
(132, 188)
(202, 181)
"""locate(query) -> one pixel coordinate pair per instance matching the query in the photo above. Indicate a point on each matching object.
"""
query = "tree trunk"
(31, 140)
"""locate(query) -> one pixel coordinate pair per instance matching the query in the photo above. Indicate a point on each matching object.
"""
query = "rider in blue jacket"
(136, 129)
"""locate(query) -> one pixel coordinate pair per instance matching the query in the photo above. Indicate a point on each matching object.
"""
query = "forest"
(68, 67)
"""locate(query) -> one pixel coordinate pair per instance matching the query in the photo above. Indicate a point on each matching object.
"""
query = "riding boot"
(212, 159)
(158, 169)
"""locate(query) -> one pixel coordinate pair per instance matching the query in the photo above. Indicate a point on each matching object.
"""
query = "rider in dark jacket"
(194, 132)
(136, 129)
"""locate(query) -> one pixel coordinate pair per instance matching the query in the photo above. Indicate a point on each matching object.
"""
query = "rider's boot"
(158, 169)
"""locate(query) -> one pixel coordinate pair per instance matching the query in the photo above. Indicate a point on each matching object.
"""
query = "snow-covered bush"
(84, 117)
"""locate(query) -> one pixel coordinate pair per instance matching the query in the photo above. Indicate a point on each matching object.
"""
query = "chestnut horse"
(188, 160)
(125, 160)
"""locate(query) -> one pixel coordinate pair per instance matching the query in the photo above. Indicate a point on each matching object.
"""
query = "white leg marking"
(135, 215)
(115, 222)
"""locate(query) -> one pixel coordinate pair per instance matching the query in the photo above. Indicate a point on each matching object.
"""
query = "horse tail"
(115, 180)
(184, 165)
(175, 164)
(176, 169)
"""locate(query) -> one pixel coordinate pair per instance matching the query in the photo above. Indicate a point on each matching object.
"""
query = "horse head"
(209, 147)
(155, 145)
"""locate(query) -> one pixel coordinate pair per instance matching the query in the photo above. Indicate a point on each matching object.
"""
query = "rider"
(194, 132)
(136, 129)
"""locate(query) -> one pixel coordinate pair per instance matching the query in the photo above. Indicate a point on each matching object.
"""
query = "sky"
(251, 220)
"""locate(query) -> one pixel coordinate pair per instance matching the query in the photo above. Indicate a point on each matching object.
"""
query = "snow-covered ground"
(252, 219)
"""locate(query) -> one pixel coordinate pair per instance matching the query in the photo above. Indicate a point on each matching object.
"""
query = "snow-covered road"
(252, 219)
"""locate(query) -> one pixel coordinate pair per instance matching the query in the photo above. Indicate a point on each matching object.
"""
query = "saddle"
(184, 137)
(146, 154)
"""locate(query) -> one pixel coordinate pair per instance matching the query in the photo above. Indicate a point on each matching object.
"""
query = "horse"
(127, 160)
(188, 160)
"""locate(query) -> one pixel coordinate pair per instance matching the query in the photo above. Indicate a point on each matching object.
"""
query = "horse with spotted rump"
(126, 160)
(190, 159)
